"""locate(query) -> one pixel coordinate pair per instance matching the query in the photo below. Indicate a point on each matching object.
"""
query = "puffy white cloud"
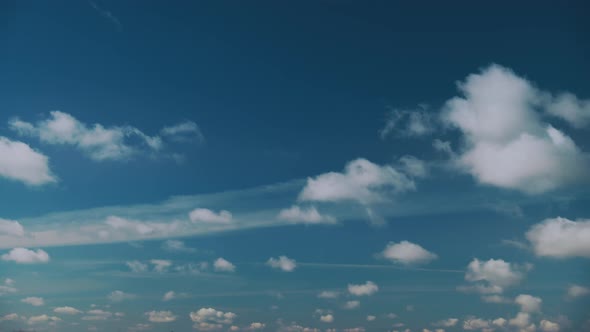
(11, 228)
(160, 316)
(522, 320)
(257, 326)
(223, 265)
(137, 266)
(497, 273)
(528, 303)
(361, 181)
(161, 265)
(506, 143)
(549, 326)
(352, 304)
(18, 161)
(118, 296)
(135, 227)
(283, 263)
(412, 123)
(7, 287)
(329, 318)
(475, 324)
(97, 314)
(368, 288)
(170, 295)
(97, 141)
(42, 319)
(208, 216)
(500, 322)
(176, 246)
(574, 291)
(449, 322)
(210, 319)
(328, 295)
(11, 316)
(407, 253)
(371, 318)
(571, 109)
(26, 256)
(310, 215)
(561, 238)
(34, 301)
(67, 310)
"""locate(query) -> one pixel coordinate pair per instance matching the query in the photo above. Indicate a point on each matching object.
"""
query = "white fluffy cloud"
(34, 301)
(407, 253)
(282, 263)
(6, 317)
(329, 318)
(361, 181)
(352, 304)
(574, 291)
(506, 143)
(328, 295)
(42, 319)
(97, 141)
(160, 316)
(7, 287)
(494, 275)
(26, 256)
(310, 215)
(561, 238)
(549, 326)
(137, 266)
(368, 288)
(471, 324)
(140, 228)
(208, 319)
(257, 326)
(574, 111)
(66, 310)
(223, 265)
(447, 322)
(208, 216)
(118, 296)
(11, 228)
(176, 246)
(528, 303)
(161, 265)
(20, 162)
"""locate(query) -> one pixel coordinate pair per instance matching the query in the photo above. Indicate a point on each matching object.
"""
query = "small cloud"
(282, 263)
(368, 288)
(209, 216)
(222, 265)
(26, 256)
(34, 301)
(118, 296)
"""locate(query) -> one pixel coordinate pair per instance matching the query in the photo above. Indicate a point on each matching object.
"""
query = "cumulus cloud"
(161, 265)
(574, 111)
(282, 263)
(561, 238)
(368, 288)
(413, 166)
(97, 314)
(97, 141)
(118, 296)
(507, 144)
(328, 295)
(449, 322)
(18, 161)
(408, 123)
(208, 216)
(42, 319)
(210, 319)
(26, 256)
(361, 181)
(575, 291)
(528, 303)
(329, 318)
(11, 228)
(135, 227)
(67, 310)
(309, 215)
(495, 274)
(407, 253)
(222, 265)
(176, 246)
(471, 324)
(34, 301)
(160, 316)
(257, 326)
(137, 266)
(549, 326)
(8, 317)
(7, 287)
(352, 304)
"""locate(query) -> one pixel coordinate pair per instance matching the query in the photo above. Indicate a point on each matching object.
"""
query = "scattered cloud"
(528, 303)
(354, 304)
(11, 228)
(575, 291)
(34, 301)
(329, 318)
(560, 238)
(160, 316)
(222, 265)
(208, 216)
(282, 263)
(493, 276)
(177, 246)
(67, 310)
(137, 266)
(118, 296)
(161, 265)
(368, 288)
(507, 144)
(18, 161)
(407, 253)
(42, 319)
(309, 215)
(408, 123)
(207, 319)
(26, 256)
(449, 322)
(328, 295)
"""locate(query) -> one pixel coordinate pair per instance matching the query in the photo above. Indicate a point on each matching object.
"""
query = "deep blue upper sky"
(281, 92)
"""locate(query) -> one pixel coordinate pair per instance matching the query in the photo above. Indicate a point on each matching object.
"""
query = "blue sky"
(294, 166)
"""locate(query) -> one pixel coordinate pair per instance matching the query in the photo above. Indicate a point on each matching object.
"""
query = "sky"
(294, 166)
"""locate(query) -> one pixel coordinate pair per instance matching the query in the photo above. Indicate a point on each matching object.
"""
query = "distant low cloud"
(19, 162)
(26, 256)
(575, 291)
(223, 265)
(177, 246)
(97, 141)
(560, 238)
(209, 216)
(11, 228)
(493, 276)
(160, 316)
(309, 215)
(507, 144)
(406, 252)
(353, 304)
(67, 310)
(282, 263)
(118, 296)
(328, 295)
(528, 303)
(34, 301)
(368, 288)
(206, 319)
